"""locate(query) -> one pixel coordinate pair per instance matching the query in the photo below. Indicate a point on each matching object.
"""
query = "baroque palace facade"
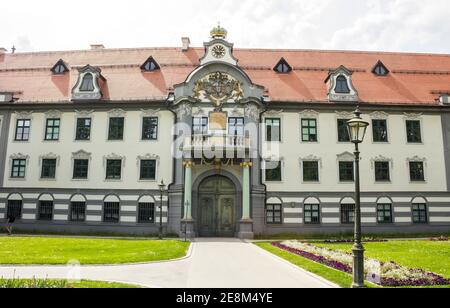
(249, 141)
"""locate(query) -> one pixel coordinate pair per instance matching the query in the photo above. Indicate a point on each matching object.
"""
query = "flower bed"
(387, 274)
(439, 239)
(366, 240)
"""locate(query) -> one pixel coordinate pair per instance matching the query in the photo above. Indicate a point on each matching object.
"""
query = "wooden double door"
(217, 208)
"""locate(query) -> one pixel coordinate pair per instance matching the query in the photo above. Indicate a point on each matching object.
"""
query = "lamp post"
(162, 188)
(357, 130)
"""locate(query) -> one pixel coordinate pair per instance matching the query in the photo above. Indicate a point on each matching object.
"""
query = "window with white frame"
(273, 170)
(22, 130)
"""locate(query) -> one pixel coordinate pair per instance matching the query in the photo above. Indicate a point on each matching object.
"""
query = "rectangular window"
(116, 126)
(273, 130)
(380, 132)
(346, 171)
(14, 209)
(310, 171)
(48, 169)
(413, 131)
(23, 130)
(52, 129)
(417, 172)
(113, 169)
(83, 129)
(312, 214)
(236, 126)
(420, 215)
(347, 213)
(343, 135)
(200, 126)
(146, 213)
(45, 210)
(18, 168)
(274, 213)
(111, 212)
(80, 169)
(150, 128)
(273, 171)
(384, 213)
(309, 130)
(78, 211)
(148, 170)
(382, 172)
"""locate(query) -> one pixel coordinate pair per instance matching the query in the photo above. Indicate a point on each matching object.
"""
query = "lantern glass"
(162, 186)
(357, 129)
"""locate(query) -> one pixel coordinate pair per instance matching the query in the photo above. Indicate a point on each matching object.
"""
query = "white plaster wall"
(328, 147)
(130, 148)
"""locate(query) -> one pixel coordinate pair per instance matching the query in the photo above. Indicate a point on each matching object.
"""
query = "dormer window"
(87, 85)
(380, 69)
(342, 85)
(150, 65)
(282, 67)
(60, 68)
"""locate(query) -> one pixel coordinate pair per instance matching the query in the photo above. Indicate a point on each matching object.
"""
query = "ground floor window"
(45, 210)
(274, 213)
(78, 211)
(384, 213)
(14, 209)
(111, 212)
(420, 214)
(312, 214)
(347, 213)
(146, 213)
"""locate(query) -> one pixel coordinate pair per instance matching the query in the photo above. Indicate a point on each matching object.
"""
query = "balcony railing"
(198, 142)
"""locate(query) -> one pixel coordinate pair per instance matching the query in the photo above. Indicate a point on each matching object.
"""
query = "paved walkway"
(213, 263)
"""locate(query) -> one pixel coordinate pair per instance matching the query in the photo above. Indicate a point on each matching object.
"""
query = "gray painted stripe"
(4, 135)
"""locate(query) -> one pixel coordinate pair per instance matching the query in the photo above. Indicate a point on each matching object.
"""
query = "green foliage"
(427, 255)
(52, 251)
(32, 284)
(60, 284)
(340, 278)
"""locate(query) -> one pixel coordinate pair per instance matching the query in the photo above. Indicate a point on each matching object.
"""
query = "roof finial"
(219, 32)
(13, 49)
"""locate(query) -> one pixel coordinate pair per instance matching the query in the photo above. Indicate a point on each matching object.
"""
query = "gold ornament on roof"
(219, 32)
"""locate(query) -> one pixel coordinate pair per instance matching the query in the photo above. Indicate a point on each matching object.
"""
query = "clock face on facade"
(218, 51)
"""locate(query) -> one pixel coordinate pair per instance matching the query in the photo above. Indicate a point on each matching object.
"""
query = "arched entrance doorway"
(217, 207)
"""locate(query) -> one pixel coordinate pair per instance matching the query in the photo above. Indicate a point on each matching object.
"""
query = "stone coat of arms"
(219, 88)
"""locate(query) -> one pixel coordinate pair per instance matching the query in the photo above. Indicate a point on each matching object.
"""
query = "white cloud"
(400, 25)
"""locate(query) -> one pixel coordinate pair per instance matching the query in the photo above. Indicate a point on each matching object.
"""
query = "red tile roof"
(413, 79)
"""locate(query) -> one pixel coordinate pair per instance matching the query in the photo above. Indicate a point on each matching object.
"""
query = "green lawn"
(427, 255)
(430, 256)
(52, 251)
(340, 278)
(53, 283)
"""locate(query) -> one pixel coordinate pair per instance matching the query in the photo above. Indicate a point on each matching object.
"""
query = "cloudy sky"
(391, 25)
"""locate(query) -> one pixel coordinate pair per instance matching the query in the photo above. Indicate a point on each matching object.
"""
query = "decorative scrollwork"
(218, 87)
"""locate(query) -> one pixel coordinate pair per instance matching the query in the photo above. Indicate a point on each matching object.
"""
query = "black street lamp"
(162, 188)
(357, 130)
